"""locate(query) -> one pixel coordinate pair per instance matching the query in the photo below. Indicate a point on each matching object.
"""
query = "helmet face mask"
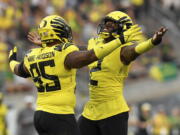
(110, 26)
(54, 28)
(113, 24)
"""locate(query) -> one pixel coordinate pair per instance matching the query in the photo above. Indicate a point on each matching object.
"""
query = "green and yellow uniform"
(54, 82)
(106, 85)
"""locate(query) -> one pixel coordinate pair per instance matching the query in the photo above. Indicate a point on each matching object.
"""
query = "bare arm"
(78, 59)
(128, 54)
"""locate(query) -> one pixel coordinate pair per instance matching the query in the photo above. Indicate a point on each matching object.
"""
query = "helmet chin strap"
(104, 35)
(107, 37)
(43, 45)
(65, 40)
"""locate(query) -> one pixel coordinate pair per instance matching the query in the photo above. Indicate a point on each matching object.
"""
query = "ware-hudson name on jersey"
(41, 56)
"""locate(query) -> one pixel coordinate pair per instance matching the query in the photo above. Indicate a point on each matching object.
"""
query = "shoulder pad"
(95, 37)
(62, 46)
(58, 48)
(32, 51)
(28, 52)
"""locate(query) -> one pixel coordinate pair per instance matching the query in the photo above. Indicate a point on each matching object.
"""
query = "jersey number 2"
(40, 70)
(98, 67)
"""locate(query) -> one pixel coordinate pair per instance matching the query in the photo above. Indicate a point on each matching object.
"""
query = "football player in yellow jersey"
(3, 113)
(106, 112)
(52, 68)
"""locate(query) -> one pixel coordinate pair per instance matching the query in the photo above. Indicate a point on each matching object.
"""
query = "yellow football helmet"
(121, 19)
(54, 27)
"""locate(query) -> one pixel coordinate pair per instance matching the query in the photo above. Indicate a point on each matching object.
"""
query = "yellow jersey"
(3, 124)
(55, 83)
(3, 58)
(106, 85)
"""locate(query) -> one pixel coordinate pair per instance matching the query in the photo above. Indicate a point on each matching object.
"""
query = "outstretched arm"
(79, 59)
(130, 53)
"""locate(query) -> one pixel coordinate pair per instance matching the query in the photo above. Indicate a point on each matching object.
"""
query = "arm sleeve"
(102, 50)
(22, 72)
(144, 46)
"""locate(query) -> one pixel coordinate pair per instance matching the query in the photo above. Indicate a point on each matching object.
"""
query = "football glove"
(13, 59)
(131, 34)
(13, 54)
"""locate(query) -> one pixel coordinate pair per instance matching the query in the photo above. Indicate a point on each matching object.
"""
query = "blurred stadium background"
(152, 88)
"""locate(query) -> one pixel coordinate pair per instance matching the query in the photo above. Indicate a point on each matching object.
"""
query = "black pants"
(115, 125)
(55, 124)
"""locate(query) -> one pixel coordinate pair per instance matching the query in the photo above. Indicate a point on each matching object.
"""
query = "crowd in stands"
(146, 119)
